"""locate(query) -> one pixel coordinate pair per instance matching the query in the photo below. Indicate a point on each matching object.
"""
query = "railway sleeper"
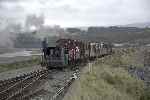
(24, 87)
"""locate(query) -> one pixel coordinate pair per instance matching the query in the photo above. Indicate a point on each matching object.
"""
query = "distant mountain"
(139, 25)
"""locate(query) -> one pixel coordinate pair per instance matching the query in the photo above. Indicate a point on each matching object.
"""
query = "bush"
(108, 79)
(146, 94)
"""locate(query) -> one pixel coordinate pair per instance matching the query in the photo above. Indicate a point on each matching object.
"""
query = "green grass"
(16, 65)
(108, 79)
(146, 94)
(125, 58)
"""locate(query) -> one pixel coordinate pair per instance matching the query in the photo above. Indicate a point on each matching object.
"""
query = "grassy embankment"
(108, 79)
(16, 65)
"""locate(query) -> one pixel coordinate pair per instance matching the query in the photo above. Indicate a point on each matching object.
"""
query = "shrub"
(107, 80)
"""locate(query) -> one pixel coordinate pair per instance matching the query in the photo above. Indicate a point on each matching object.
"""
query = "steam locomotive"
(69, 53)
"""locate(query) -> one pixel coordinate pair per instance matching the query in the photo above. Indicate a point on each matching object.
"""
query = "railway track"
(62, 90)
(20, 87)
(26, 86)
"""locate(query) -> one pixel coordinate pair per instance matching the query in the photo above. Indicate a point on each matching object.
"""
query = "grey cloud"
(73, 12)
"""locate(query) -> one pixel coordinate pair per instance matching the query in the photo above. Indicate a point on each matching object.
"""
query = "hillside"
(139, 25)
(115, 34)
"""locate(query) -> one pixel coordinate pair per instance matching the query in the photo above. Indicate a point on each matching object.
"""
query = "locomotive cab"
(55, 57)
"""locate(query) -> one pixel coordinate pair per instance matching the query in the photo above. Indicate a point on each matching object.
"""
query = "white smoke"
(8, 33)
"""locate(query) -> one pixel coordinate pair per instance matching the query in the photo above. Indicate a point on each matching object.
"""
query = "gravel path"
(18, 55)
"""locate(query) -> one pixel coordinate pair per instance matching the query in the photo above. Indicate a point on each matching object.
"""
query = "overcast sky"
(77, 12)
